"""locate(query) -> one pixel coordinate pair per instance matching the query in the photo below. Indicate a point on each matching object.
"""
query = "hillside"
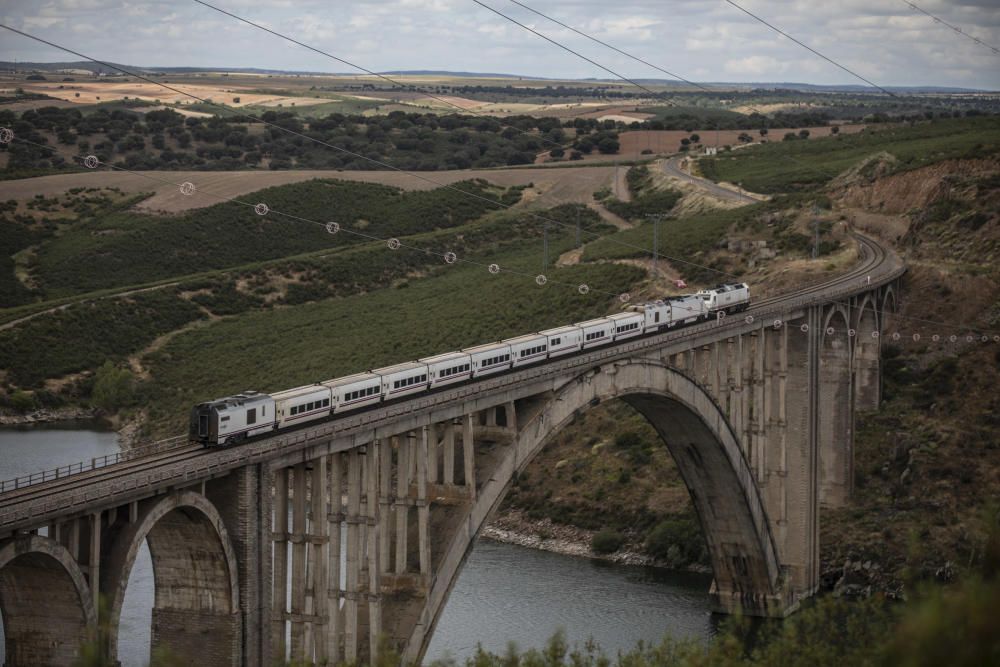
(927, 463)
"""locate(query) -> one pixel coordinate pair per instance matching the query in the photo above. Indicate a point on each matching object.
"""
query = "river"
(505, 593)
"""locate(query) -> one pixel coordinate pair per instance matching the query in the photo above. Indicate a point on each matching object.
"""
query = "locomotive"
(234, 419)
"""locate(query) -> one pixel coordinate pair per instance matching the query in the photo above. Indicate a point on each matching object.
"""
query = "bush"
(677, 541)
(22, 401)
(112, 387)
(606, 542)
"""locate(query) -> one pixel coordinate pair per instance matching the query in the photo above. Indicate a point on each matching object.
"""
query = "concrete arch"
(694, 428)
(839, 328)
(47, 606)
(196, 603)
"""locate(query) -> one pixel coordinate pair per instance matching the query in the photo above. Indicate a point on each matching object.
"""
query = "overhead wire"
(937, 19)
(616, 49)
(340, 149)
(809, 48)
(393, 243)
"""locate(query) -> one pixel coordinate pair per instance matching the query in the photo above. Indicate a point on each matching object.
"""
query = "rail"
(768, 309)
(93, 464)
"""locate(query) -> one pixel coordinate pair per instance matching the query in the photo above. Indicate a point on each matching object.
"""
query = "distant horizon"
(884, 43)
(829, 87)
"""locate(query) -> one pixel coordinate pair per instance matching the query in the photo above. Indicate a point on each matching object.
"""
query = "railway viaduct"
(319, 543)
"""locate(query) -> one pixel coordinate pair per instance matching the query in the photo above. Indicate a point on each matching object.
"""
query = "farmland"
(786, 166)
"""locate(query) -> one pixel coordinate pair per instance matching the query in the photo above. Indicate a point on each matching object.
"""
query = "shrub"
(606, 541)
(112, 387)
(678, 541)
(22, 401)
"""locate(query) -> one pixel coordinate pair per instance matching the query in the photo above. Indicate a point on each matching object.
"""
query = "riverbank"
(48, 415)
(512, 527)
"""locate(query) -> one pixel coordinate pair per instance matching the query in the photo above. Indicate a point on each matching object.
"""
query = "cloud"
(712, 41)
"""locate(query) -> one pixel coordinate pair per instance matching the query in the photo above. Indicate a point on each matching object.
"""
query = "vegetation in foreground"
(797, 165)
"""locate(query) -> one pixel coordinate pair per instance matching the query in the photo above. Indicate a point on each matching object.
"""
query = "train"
(235, 419)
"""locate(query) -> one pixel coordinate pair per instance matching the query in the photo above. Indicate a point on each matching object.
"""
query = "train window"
(252, 416)
(656, 317)
(556, 341)
(224, 419)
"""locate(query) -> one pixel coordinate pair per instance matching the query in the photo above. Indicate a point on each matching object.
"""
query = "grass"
(787, 166)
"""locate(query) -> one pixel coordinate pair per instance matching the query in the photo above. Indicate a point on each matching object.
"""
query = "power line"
(955, 28)
(637, 59)
(605, 44)
(809, 48)
(565, 48)
(372, 73)
(262, 209)
(340, 149)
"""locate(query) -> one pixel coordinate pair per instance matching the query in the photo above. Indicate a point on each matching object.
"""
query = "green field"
(461, 306)
(128, 248)
(788, 166)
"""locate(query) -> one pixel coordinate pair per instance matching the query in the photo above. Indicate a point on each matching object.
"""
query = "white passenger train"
(236, 418)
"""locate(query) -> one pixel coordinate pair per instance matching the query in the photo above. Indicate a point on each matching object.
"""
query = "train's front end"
(203, 427)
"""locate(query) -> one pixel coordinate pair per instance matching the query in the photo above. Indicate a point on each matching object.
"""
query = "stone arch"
(196, 603)
(47, 606)
(836, 409)
(711, 461)
(866, 356)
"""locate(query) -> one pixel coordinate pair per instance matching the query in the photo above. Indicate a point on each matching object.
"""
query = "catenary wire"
(340, 149)
(955, 28)
(298, 218)
(373, 73)
(807, 47)
(788, 157)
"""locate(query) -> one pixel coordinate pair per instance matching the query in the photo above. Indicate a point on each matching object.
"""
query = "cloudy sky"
(705, 40)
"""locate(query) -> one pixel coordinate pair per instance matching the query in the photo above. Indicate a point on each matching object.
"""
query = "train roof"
(594, 322)
(527, 338)
(559, 330)
(297, 391)
(623, 316)
(399, 368)
(352, 379)
(245, 398)
(447, 356)
(487, 347)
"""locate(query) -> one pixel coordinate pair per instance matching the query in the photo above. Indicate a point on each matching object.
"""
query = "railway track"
(875, 262)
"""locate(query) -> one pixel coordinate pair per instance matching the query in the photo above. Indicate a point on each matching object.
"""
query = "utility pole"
(545, 246)
(815, 213)
(656, 218)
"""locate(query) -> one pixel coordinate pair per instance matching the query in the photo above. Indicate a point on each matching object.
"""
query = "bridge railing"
(92, 464)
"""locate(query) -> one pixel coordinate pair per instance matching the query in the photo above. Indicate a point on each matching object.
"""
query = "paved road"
(672, 167)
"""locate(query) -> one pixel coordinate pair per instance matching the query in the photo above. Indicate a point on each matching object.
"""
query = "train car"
(686, 309)
(489, 358)
(448, 368)
(597, 332)
(232, 419)
(355, 391)
(627, 325)
(655, 314)
(563, 340)
(302, 404)
(528, 349)
(403, 379)
(729, 298)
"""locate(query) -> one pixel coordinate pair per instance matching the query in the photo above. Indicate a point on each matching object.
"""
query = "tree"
(557, 152)
(695, 138)
(804, 134)
(608, 145)
(763, 131)
(113, 387)
(835, 129)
